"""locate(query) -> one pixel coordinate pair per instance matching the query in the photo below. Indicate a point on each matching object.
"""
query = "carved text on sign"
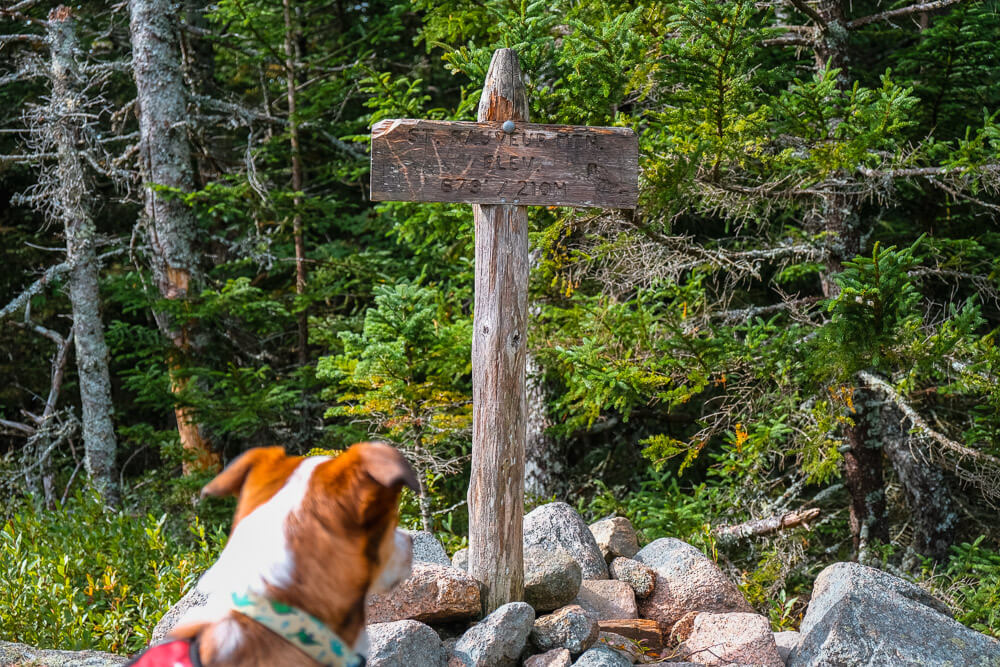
(480, 163)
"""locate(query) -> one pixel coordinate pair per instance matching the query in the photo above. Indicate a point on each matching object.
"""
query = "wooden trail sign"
(484, 163)
(500, 165)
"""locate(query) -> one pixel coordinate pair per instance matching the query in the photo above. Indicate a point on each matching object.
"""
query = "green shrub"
(970, 581)
(84, 577)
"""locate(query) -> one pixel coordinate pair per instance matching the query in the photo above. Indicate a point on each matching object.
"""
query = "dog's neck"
(302, 630)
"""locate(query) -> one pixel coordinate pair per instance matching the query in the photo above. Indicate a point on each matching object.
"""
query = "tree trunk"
(499, 349)
(931, 510)
(166, 160)
(863, 461)
(543, 464)
(298, 181)
(81, 235)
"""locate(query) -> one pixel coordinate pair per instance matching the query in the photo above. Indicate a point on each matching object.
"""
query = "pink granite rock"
(722, 639)
(557, 657)
(606, 599)
(615, 537)
(432, 593)
(685, 581)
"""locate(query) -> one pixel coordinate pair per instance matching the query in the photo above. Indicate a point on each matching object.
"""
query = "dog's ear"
(230, 481)
(387, 466)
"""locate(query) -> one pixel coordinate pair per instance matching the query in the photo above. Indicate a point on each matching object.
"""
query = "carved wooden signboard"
(504, 163)
(501, 165)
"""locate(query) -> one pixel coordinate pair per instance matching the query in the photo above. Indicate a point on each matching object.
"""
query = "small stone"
(682, 628)
(432, 593)
(615, 538)
(557, 657)
(685, 581)
(787, 640)
(603, 656)
(560, 524)
(641, 578)
(551, 577)
(460, 559)
(623, 645)
(722, 639)
(570, 628)
(607, 599)
(427, 549)
(497, 641)
(402, 644)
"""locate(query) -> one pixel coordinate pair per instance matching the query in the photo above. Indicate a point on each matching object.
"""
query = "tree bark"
(863, 461)
(291, 58)
(71, 199)
(499, 349)
(166, 161)
(931, 510)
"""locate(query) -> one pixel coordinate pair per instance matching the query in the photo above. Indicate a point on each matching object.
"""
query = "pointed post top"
(504, 96)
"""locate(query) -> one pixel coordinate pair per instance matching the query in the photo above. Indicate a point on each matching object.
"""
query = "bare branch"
(766, 526)
(804, 7)
(18, 302)
(17, 426)
(26, 38)
(27, 158)
(902, 11)
(746, 314)
(789, 40)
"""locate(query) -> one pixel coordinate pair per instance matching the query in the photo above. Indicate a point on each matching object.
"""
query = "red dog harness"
(174, 653)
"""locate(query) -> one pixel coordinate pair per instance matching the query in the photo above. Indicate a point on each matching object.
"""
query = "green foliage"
(85, 577)
(971, 578)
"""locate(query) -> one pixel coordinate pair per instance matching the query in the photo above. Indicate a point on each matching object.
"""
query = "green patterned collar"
(302, 630)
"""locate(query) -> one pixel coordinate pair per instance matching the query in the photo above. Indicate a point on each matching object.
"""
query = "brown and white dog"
(316, 535)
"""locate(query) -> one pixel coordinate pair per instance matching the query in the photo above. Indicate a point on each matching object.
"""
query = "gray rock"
(839, 579)
(607, 599)
(786, 642)
(685, 581)
(191, 600)
(16, 655)
(880, 627)
(569, 628)
(557, 657)
(558, 523)
(461, 559)
(551, 577)
(640, 577)
(403, 644)
(427, 549)
(615, 538)
(603, 656)
(497, 641)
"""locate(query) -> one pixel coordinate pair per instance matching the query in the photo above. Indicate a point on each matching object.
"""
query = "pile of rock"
(594, 599)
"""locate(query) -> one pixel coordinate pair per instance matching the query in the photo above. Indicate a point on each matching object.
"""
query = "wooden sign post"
(501, 164)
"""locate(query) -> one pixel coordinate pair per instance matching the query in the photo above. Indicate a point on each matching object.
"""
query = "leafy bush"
(970, 581)
(84, 577)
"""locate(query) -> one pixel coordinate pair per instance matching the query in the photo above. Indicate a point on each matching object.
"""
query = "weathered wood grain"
(499, 339)
(481, 163)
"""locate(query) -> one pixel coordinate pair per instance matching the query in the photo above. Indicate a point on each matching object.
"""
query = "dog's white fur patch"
(257, 553)
(398, 567)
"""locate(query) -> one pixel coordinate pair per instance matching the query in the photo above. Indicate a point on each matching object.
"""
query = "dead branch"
(766, 526)
(746, 314)
(789, 40)
(986, 479)
(803, 7)
(902, 11)
(22, 299)
(37, 40)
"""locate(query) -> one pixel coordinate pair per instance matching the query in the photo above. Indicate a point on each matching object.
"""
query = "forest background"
(800, 314)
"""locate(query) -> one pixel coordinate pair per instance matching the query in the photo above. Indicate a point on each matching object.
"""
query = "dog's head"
(317, 533)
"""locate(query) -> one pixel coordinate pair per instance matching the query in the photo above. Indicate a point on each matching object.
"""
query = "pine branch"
(902, 11)
(766, 526)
